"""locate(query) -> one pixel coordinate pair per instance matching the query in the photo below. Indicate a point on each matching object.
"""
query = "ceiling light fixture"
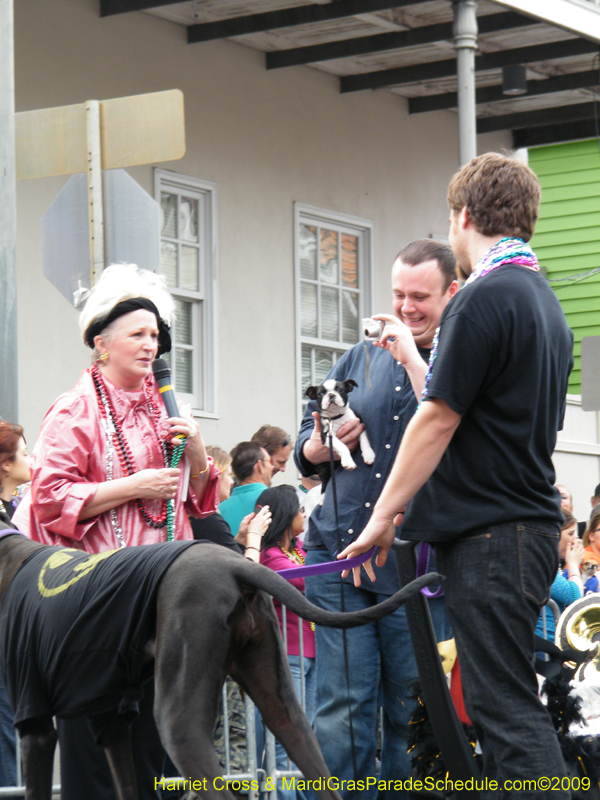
(514, 80)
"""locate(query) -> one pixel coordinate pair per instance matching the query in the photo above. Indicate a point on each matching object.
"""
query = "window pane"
(308, 252)
(183, 370)
(323, 364)
(168, 213)
(330, 322)
(168, 262)
(183, 323)
(188, 219)
(306, 379)
(349, 317)
(308, 309)
(329, 256)
(189, 267)
(349, 260)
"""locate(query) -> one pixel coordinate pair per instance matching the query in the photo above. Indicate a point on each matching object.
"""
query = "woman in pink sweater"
(281, 551)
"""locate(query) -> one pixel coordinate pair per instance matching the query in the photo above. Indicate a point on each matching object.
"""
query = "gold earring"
(103, 357)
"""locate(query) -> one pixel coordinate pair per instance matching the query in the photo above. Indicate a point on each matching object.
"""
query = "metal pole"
(465, 43)
(9, 406)
(94, 171)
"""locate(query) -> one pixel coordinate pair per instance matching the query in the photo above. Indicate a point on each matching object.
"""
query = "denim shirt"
(385, 410)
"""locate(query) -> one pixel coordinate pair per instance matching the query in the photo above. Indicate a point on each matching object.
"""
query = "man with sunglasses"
(277, 443)
(252, 467)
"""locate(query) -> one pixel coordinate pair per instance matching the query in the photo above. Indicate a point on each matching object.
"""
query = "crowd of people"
(462, 461)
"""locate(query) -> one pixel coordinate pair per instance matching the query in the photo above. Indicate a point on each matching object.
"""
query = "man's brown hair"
(501, 195)
(422, 250)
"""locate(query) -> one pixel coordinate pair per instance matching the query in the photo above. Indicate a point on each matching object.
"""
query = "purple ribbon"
(323, 569)
(423, 567)
(349, 563)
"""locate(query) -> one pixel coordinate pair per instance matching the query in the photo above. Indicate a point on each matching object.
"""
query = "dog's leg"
(193, 650)
(116, 741)
(262, 670)
(344, 453)
(367, 451)
(38, 741)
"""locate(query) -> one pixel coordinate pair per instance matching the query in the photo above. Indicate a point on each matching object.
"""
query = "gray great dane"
(213, 616)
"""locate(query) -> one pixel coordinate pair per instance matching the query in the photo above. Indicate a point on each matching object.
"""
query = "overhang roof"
(406, 47)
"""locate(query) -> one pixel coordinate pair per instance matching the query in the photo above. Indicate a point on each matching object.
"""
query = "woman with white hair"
(101, 467)
(103, 478)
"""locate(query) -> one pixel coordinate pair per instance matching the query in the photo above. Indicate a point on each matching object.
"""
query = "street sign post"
(90, 138)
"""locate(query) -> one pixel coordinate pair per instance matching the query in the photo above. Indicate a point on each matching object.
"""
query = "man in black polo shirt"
(475, 464)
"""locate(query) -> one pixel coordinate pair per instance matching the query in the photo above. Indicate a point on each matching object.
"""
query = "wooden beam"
(576, 17)
(110, 7)
(289, 17)
(396, 40)
(445, 69)
(543, 116)
(552, 134)
(491, 94)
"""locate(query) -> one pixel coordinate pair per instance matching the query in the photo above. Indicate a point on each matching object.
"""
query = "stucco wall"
(266, 139)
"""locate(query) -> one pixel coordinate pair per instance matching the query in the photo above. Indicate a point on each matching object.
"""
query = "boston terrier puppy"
(331, 398)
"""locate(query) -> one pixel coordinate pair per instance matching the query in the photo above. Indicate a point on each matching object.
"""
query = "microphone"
(162, 374)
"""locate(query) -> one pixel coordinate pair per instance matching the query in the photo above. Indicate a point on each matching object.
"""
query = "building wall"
(577, 455)
(267, 139)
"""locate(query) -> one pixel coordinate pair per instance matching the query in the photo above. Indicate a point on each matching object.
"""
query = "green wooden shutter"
(567, 235)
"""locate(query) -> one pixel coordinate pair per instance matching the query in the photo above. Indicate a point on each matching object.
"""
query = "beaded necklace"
(116, 443)
(507, 251)
(294, 555)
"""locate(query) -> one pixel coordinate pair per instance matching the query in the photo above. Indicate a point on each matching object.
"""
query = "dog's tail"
(259, 577)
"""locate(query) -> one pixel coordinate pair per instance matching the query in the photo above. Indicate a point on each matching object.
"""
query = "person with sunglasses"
(277, 443)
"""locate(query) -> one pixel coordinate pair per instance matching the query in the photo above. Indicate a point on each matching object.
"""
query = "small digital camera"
(372, 328)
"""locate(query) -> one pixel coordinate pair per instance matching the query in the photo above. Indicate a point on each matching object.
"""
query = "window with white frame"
(333, 283)
(188, 263)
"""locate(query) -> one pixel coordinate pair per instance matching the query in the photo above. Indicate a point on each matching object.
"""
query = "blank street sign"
(141, 129)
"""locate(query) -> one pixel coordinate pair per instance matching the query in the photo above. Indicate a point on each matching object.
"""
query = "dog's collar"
(329, 417)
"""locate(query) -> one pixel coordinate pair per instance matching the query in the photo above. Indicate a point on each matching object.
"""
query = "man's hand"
(403, 349)
(380, 531)
(397, 339)
(316, 452)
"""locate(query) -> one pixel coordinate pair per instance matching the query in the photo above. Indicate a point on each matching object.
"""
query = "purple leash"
(422, 568)
(323, 569)
(349, 563)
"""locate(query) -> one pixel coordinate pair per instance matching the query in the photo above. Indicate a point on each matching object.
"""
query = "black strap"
(456, 751)
(342, 603)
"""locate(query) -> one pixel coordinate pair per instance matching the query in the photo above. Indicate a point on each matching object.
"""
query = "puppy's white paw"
(368, 456)
(348, 463)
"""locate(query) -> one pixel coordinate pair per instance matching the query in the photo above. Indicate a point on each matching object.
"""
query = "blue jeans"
(495, 585)
(310, 688)
(8, 747)
(381, 671)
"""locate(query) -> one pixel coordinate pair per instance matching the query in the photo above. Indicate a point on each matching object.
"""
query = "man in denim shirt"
(380, 656)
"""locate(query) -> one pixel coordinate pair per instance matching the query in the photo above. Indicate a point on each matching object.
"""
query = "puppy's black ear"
(350, 384)
(311, 392)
